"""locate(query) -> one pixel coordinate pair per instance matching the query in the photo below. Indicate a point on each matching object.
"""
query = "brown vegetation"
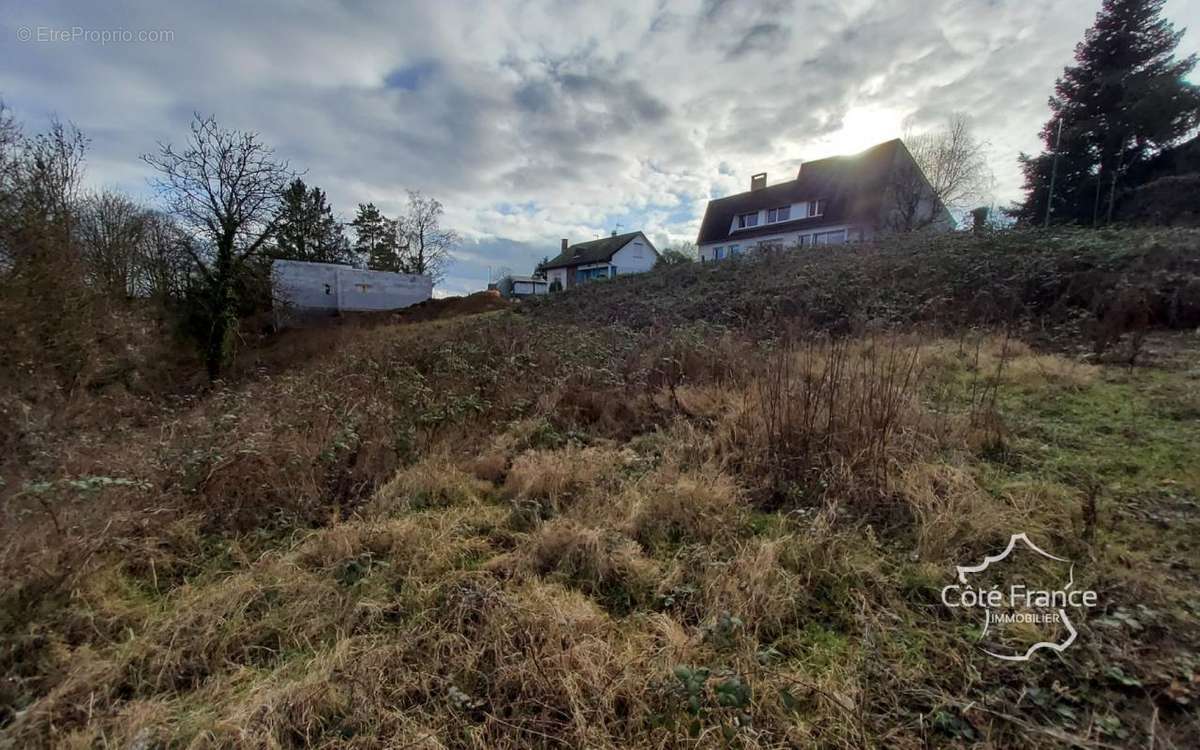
(468, 533)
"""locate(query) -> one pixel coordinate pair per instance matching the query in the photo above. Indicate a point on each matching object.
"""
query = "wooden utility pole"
(1053, 172)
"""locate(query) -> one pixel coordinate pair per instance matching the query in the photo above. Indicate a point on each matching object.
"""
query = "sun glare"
(862, 127)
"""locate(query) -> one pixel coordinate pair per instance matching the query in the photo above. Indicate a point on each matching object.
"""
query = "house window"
(718, 253)
(735, 250)
(748, 220)
(830, 238)
(783, 213)
(637, 249)
(770, 245)
(816, 208)
(587, 274)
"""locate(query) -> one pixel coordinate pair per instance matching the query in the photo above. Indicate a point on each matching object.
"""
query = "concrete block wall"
(302, 289)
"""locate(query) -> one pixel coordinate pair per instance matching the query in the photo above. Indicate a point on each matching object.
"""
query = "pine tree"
(375, 238)
(307, 229)
(1125, 98)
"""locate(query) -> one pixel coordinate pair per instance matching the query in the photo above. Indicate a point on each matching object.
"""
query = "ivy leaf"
(1117, 675)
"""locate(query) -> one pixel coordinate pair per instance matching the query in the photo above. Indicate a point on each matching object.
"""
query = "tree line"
(414, 242)
(1125, 100)
(227, 206)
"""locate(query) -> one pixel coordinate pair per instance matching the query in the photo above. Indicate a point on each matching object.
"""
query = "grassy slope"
(944, 281)
(515, 530)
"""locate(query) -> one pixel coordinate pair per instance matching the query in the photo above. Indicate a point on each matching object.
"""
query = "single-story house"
(831, 201)
(616, 255)
(516, 287)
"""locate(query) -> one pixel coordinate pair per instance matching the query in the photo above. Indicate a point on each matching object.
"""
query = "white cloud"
(535, 121)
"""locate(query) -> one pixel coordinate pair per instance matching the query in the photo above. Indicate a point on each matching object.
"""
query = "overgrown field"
(644, 525)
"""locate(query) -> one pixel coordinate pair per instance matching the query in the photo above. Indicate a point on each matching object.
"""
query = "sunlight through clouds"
(580, 115)
(862, 127)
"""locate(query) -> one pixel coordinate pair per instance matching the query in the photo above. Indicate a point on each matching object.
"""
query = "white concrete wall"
(637, 256)
(304, 287)
(529, 287)
(789, 239)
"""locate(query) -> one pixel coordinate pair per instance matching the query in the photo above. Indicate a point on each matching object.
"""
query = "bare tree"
(425, 247)
(45, 299)
(10, 144)
(111, 231)
(49, 172)
(949, 172)
(224, 189)
(40, 179)
(166, 260)
(10, 155)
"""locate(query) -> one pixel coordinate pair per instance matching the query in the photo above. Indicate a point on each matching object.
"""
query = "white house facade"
(605, 258)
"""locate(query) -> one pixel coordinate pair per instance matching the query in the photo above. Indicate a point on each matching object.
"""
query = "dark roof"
(595, 251)
(852, 187)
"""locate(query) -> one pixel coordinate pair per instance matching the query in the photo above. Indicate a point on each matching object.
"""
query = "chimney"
(614, 233)
(565, 244)
(758, 181)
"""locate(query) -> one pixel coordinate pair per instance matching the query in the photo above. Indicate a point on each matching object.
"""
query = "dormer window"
(816, 208)
(747, 220)
(783, 213)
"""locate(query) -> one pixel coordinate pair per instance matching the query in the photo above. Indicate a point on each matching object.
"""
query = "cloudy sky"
(533, 121)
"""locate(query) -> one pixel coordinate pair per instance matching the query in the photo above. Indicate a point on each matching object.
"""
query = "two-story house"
(604, 258)
(831, 201)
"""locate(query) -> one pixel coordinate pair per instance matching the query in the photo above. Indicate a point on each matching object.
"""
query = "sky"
(534, 121)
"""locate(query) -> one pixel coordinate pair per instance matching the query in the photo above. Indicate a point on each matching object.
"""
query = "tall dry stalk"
(824, 407)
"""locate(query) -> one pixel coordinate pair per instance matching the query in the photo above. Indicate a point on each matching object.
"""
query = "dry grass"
(749, 557)
(490, 467)
(701, 507)
(599, 562)
(951, 514)
(823, 417)
(1008, 361)
(432, 482)
(552, 480)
